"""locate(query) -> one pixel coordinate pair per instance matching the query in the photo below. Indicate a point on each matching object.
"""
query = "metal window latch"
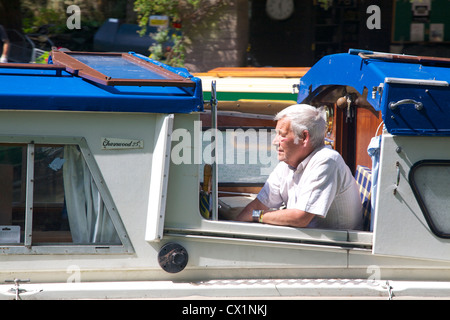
(16, 288)
(397, 181)
(378, 89)
(417, 104)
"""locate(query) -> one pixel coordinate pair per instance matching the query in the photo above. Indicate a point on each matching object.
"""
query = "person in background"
(312, 180)
(4, 45)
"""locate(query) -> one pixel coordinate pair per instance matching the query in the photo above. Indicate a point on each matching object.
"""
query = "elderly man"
(4, 42)
(311, 180)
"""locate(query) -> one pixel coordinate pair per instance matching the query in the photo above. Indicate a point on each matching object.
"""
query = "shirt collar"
(302, 165)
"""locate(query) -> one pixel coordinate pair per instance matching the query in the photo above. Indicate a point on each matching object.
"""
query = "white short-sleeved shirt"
(322, 184)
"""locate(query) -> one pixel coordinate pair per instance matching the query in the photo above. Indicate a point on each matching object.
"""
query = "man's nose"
(275, 140)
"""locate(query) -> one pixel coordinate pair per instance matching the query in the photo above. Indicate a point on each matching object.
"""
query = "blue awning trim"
(412, 93)
(42, 89)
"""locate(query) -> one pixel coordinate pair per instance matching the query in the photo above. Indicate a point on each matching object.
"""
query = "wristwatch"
(257, 215)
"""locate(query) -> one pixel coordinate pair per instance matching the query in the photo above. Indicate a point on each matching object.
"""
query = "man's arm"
(286, 217)
(4, 57)
(246, 214)
(5, 48)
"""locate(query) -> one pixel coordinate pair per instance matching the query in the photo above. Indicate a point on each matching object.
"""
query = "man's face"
(291, 149)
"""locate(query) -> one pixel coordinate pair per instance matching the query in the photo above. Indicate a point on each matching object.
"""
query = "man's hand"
(286, 217)
(246, 214)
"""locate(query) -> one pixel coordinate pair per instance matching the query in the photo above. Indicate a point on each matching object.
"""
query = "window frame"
(419, 198)
(27, 247)
(228, 230)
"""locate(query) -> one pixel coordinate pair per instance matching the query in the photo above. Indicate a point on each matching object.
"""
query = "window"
(12, 191)
(242, 150)
(245, 158)
(429, 182)
(49, 197)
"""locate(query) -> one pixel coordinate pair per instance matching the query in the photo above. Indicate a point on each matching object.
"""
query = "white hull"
(248, 289)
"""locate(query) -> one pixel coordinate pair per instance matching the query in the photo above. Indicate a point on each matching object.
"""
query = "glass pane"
(12, 193)
(431, 182)
(243, 156)
(67, 205)
(117, 67)
(50, 221)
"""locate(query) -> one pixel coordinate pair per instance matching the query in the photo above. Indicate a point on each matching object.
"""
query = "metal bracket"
(16, 288)
(214, 177)
(390, 290)
(378, 89)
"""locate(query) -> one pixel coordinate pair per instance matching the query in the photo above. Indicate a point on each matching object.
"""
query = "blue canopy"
(412, 93)
(99, 82)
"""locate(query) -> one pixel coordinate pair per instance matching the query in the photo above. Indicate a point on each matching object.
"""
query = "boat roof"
(412, 92)
(107, 82)
(254, 91)
(255, 72)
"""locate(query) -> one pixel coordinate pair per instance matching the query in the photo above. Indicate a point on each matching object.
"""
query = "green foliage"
(44, 16)
(194, 17)
(50, 18)
(43, 59)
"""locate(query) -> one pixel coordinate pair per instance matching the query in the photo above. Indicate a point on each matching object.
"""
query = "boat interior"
(352, 122)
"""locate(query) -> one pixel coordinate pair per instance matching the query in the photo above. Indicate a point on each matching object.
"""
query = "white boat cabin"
(103, 157)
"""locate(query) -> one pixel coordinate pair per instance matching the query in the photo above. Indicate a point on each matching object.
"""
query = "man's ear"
(305, 135)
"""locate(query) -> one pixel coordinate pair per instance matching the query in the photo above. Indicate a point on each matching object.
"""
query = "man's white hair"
(305, 117)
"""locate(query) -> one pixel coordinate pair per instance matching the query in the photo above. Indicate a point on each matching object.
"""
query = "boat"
(117, 179)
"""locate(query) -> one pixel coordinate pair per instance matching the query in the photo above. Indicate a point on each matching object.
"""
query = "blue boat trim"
(56, 87)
